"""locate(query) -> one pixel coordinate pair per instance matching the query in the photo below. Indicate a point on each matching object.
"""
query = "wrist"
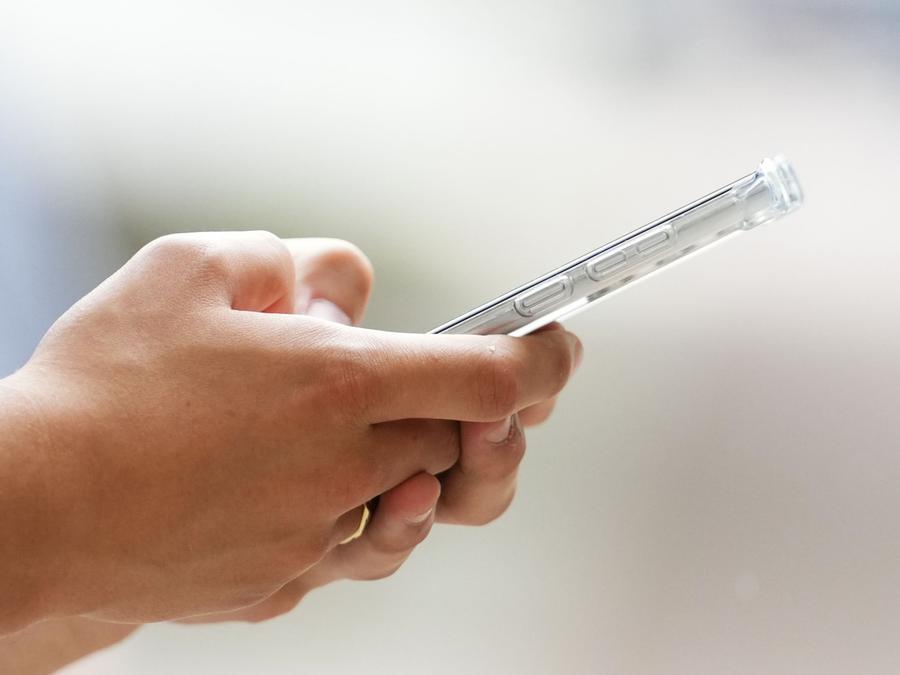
(32, 506)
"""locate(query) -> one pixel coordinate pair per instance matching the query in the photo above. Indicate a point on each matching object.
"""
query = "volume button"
(544, 296)
(606, 264)
(653, 242)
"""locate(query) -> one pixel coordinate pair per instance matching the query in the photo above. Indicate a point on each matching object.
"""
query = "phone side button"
(655, 241)
(544, 296)
(601, 267)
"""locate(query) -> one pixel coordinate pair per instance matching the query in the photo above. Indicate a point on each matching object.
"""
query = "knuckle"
(264, 237)
(487, 516)
(209, 255)
(499, 467)
(173, 248)
(350, 381)
(380, 572)
(279, 604)
(399, 547)
(499, 381)
(195, 254)
(353, 264)
(263, 611)
(538, 414)
(502, 508)
(272, 249)
(260, 614)
(182, 261)
(288, 603)
(212, 263)
(268, 243)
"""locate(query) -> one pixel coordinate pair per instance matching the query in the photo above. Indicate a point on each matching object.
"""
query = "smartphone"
(767, 194)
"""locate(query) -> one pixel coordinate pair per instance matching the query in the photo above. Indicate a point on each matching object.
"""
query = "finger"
(482, 485)
(466, 377)
(387, 455)
(330, 273)
(537, 413)
(403, 448)
(402, 520)
(247, 270)
(540, 412)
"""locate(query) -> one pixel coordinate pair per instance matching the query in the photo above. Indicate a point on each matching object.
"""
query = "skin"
(193, 439)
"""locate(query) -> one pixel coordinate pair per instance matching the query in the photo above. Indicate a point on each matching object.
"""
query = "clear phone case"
(760, 197)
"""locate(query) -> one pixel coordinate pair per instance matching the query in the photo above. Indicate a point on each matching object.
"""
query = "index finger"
(468, 377)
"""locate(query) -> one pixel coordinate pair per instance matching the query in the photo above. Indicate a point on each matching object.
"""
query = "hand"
(196, 448)
(475, 491)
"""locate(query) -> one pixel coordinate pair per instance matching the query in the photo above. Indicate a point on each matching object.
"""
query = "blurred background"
(719, 491)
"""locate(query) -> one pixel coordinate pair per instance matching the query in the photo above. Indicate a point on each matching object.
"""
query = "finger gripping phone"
(767, 194)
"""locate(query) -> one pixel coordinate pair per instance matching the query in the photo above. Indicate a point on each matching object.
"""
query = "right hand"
(203, 447)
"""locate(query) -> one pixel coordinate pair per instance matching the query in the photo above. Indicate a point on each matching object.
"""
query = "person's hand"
(476, 490)
(200, 448)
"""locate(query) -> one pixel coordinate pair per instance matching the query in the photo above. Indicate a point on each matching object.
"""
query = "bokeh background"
(719, 491)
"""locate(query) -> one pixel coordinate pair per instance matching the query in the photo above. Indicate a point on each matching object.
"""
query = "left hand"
(334, 280)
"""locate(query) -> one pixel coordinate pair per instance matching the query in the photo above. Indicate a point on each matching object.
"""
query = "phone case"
(760, 197)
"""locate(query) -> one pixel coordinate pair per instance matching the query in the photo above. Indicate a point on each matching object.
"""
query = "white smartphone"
(760, 197)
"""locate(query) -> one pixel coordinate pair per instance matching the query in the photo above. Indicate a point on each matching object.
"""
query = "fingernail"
(325, 309)
(500, 431)
(421, 518)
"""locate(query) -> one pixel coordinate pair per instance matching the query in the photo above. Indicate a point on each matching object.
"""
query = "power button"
(544, 296)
